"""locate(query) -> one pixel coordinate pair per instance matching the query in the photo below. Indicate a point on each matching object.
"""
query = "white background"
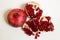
(49, 7)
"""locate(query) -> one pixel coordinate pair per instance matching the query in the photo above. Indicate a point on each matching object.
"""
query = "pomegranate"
(45, 24)
(32, 25)
(28, 31)
(29, 10)
(17, 17)
(32, 10)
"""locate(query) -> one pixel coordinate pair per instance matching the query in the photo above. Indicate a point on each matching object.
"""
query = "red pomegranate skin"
(17, 17)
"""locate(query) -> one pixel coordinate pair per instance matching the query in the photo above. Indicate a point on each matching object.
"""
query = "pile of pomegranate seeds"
(37, 23)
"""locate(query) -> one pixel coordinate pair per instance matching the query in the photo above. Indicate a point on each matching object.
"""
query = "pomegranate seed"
(28, 31)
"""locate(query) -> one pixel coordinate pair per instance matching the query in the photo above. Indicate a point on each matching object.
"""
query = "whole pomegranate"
(16, 17)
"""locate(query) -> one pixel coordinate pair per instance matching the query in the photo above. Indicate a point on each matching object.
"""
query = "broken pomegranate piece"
(50, 27)
(32, 9)
(29, 10)
(43, 25)
(28, 31)
(32, 25)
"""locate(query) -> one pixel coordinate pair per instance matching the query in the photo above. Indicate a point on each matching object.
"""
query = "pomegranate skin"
(16, 17)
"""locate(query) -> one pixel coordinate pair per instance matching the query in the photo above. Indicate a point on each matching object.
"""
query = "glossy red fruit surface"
(16, 17)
